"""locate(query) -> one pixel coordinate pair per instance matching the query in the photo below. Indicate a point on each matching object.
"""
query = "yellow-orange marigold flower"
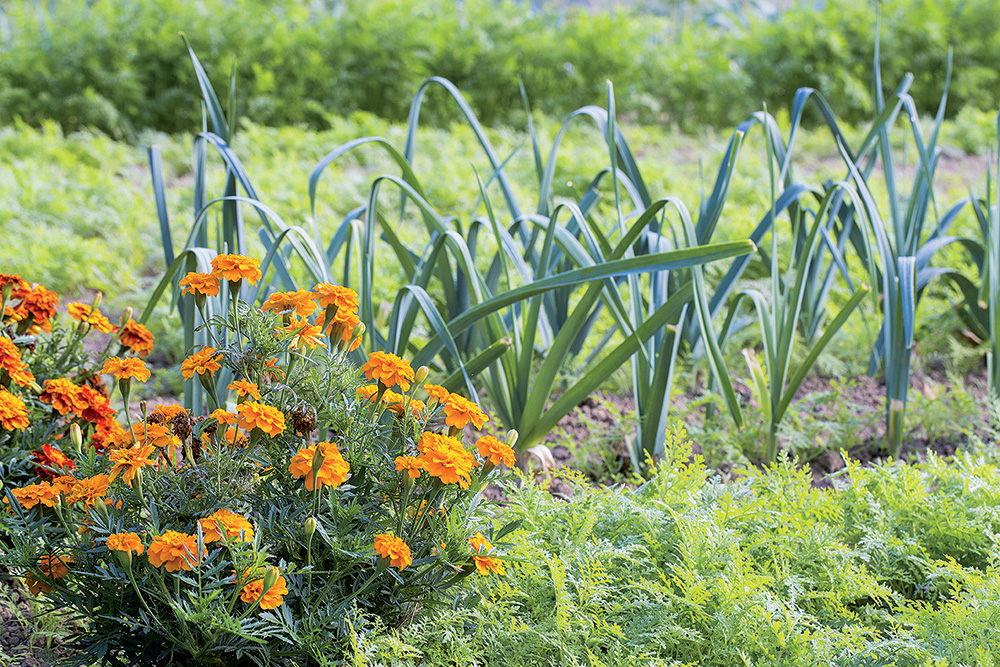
(484, 564)
(236, 267)
(495, 452)
(367, 393)
(50, 458)
(10, 361)
(129, 461)
(244, 388)
(460, 411)
(126, 368)
(445, 458)
(42, 493)
(410, 464)
(167, 412)
(389, 370)
(437, 392)
(82, 312)
(125, 542)
(90, 489)
(206, 284)
(157, 435)
(40, 302)
(226, 526)
(13, 411)
(63, 394)
(136, 337)
(393, 548)
(223, 417)
(205, 360)
(333, 471)
(344, 298)
(175, 550)
(272, 599)
(251, 415)
(303, 334)
(301, 302)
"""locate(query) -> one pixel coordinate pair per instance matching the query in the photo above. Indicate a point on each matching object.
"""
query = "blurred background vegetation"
(117, 66)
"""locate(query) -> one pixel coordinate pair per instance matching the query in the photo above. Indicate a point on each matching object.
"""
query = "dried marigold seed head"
(303, 421)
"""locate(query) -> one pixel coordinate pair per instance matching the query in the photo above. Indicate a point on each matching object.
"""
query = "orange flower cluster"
(496, 452)
(301, 303)
(272, 598)
(484, 564)
(303, 334)
(30, 307)
(244, 388)
(82, 312)
(86, 490)
(251, 415)
(176, 551)
(446, 458)
(410, 464)
(11, 364)
(126, 368)
(128, 462)
(460, 411)
(226, 526)
(52, 567)
(13, 411)
(333, 469)
(236, 268)
(205, 284)
(393, 548)
(48, 458)
(388, 370)
(136, 337)
(125, 542)
(340, 316)
(204, 361)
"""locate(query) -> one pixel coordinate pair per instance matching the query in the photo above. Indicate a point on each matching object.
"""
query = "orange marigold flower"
(445, 458)
(63, 394)
(10, 361)
(341, 326)
(344, 298)
(244, 388)
(397, 402)
(82, 312)
(235, 437)
(167, 412)
(223, 417)
(235, 268)
(389, 370)
(109, 432)
(484, 564)
(125, 542)
(13, 411)
(205, 360)
(227, 526)
(367, 392)
(460, 411)
(272, 598)
(90, 489)
(126, 368)
(393, 548)
(55, 567)
(300, 302)
(40, 302)
(157, 435)
(96, 406)
(175, 550)
(64, 484)
(437, 392)
(13, 280)
(35, 494)
(130, 461)
(206, 284)
(251, 415)
(51, 457)
(136, 337)
(333, 471)
(495, 452)
(271, 370)
(303, 334)
(410, 464)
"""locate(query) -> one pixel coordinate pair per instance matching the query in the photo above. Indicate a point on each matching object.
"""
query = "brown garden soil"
(21, 643)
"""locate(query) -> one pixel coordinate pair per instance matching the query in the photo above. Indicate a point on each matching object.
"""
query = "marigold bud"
(76, 437)
(270, 578)
(309, 527)
(512, 436)
(421, 375)
(97, 302)
(125, 558)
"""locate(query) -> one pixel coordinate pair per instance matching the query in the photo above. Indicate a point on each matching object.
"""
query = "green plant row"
(116, 66)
